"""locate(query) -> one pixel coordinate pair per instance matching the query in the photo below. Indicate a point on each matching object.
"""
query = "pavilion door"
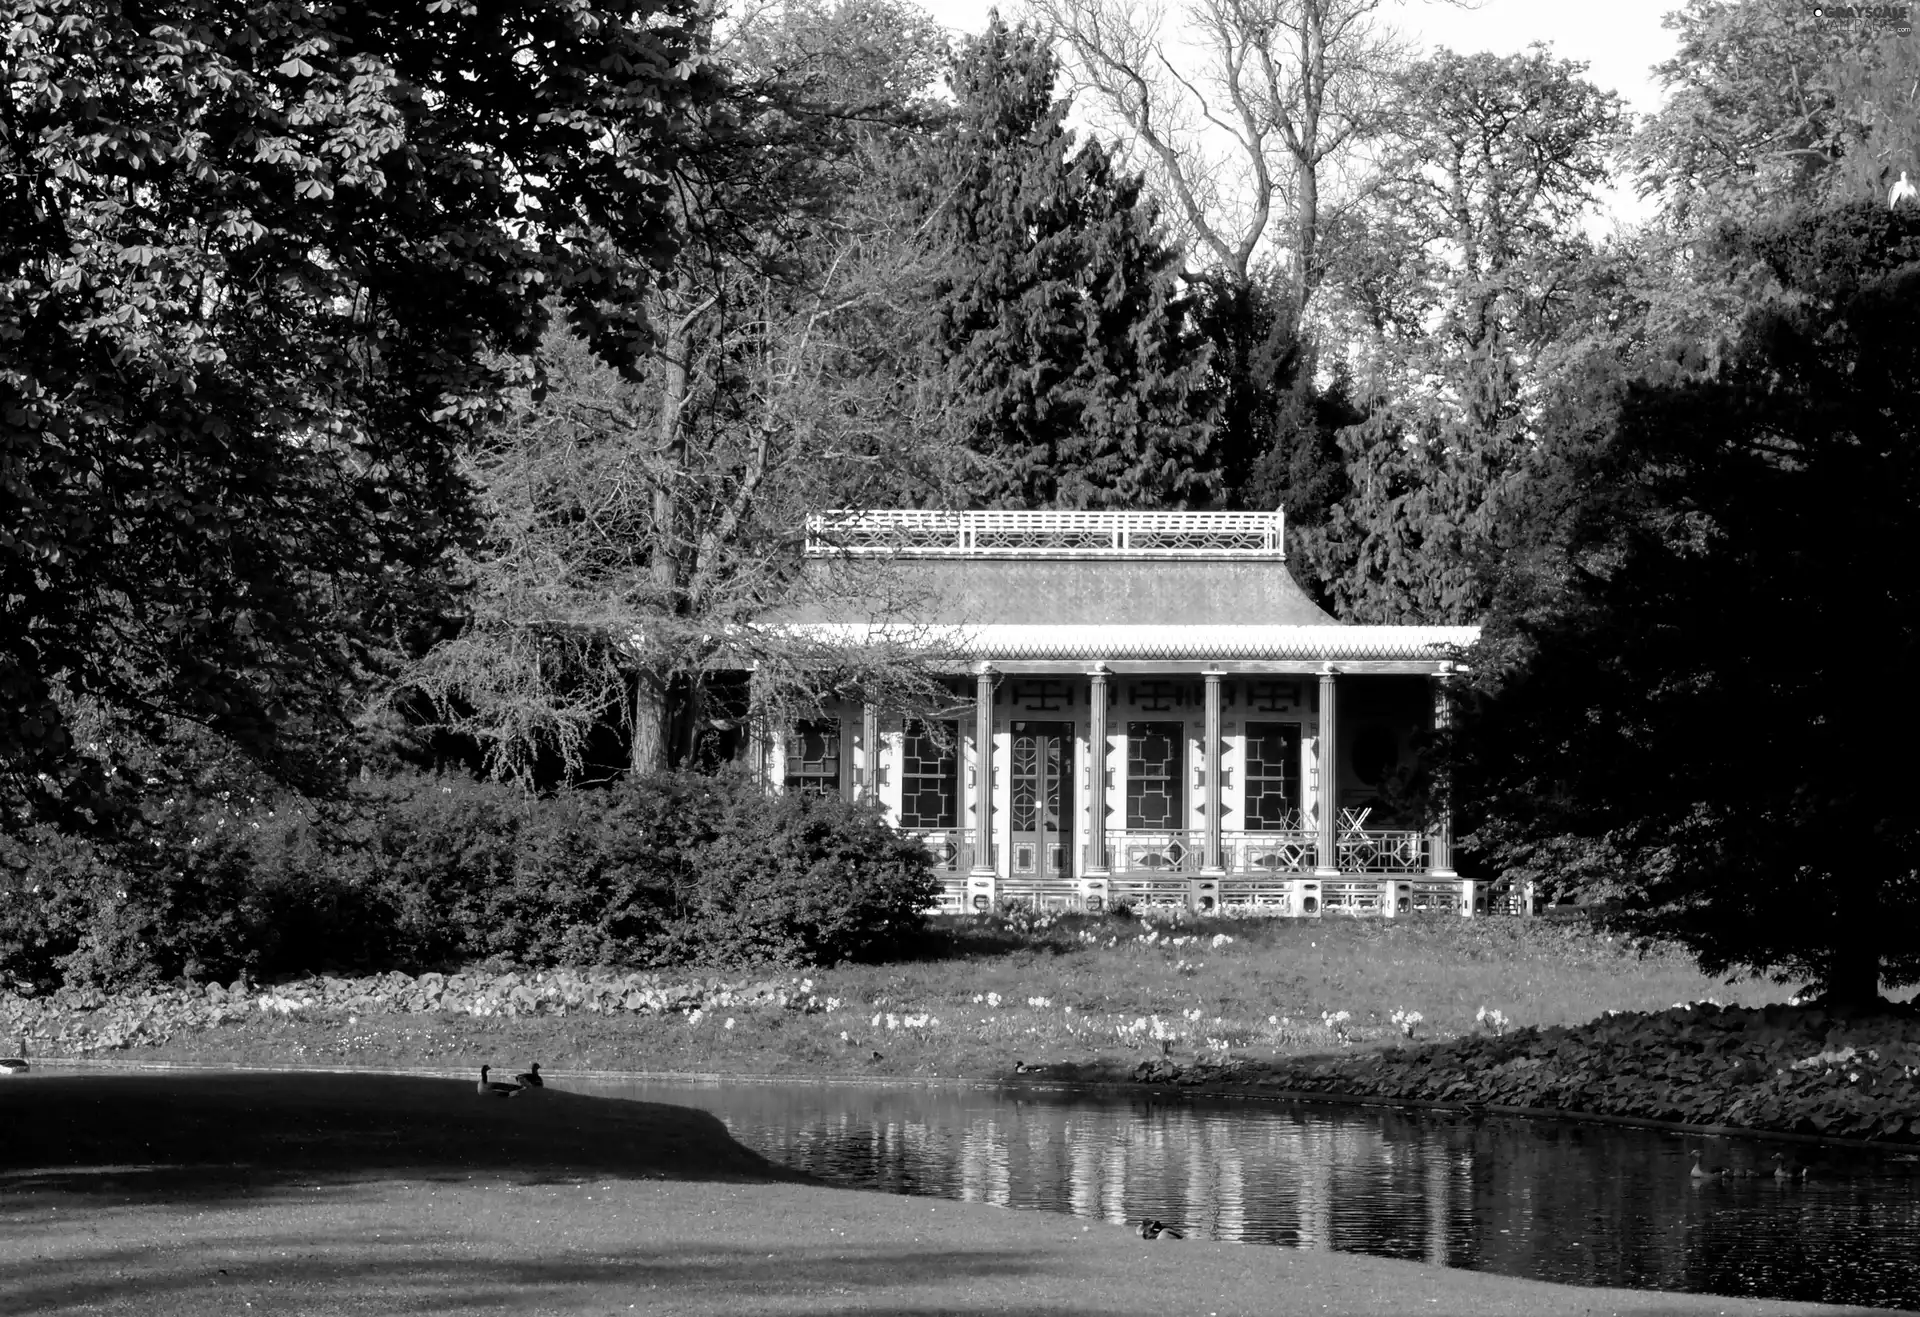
(1041, 844)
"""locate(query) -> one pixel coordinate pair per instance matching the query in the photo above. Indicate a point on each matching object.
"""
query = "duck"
(530, 1078)
(1155, 1230)
(1700, 1172)
(487, 1088)
(15, 1065)
(1021, 1067)
(1787, 1170)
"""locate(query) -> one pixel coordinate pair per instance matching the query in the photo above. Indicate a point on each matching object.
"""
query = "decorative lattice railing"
(1293, 851)
(915, 533)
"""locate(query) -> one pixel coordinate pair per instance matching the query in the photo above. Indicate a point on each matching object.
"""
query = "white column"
(1327, 790)
(1211, 862)
(980, 880)
(1097, 778)
(869, 785)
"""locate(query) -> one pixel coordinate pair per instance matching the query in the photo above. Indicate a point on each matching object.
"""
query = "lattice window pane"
(1153, 774)
(1273, 777)
(929, 778)
(813, 759)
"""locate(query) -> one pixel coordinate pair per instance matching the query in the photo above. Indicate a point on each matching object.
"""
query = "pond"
(1583, 1204)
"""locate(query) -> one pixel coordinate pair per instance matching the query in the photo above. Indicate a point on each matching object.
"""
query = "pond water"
(1577, 1203)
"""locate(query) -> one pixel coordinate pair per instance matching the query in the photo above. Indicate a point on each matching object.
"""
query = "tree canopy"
(1690, 702)
(1464, 309)
(1067, 342)
(264, 265)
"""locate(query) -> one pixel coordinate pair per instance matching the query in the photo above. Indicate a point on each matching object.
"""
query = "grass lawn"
(983, 994)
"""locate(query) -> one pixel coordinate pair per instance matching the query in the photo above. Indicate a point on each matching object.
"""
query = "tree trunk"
(649, 725)
(652, 752)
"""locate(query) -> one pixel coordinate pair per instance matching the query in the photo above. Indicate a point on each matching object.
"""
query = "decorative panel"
(929, 777)
(1154, 752)
(813, 759)
(1272, 777)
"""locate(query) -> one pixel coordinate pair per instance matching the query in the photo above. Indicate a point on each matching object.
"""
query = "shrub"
(420, 872)
(802, 880)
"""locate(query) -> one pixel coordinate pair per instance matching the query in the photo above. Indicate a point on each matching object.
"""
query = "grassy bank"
(978, 996)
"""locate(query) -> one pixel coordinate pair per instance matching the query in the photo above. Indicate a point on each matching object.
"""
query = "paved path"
(264, 1195)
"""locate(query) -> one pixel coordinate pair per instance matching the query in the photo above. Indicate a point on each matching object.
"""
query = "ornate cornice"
(999, 642)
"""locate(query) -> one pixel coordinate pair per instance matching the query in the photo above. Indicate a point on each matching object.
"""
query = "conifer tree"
(1075, 374)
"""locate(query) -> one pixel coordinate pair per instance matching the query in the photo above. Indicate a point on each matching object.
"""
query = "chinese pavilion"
(1160, 716)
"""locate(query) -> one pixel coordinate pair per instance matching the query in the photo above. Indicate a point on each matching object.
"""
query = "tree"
(263, 266)
(1069, 354)
(1275, 427)
(1299, 88)
(639, 527)
(1695, 692)
(1754, 117)
(1463, 323)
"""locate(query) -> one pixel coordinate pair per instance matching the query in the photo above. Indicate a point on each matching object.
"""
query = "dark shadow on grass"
(416, 1272)
(405, 1273)
(223, 1135)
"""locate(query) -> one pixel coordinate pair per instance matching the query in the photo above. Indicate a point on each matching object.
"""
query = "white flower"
(1039, 1003)
(833, 1004)
(876, 1020)
(728, 1024)
(1221, 940)
(993, 1000)
(843, 1037)
(893, 1021)
(1066, 1010)
(1192, 1015)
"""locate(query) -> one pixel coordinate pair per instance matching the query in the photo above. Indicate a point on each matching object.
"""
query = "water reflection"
(1585, 1204)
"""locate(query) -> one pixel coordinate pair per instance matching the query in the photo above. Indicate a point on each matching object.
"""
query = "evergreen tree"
(1274, 430)
(1482, 284)
(1696, 693)
(1075, 374)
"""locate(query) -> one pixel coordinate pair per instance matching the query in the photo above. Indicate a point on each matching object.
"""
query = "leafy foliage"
(1800, 1070)
(1764, 99)
(1649, 714)
(1465, 311)
(424, 872)
(263, 264)
(1068, 346)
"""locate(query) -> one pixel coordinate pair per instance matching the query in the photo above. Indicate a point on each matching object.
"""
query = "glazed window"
(813, 759)
(1153, 775)
(1273, 777)
(929, 777)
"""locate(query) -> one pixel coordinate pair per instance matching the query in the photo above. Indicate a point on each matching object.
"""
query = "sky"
(1620, 40)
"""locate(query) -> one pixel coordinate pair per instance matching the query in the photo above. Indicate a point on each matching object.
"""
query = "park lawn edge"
(1078, 1078)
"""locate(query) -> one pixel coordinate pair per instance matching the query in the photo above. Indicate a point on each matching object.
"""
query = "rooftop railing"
(916, 533)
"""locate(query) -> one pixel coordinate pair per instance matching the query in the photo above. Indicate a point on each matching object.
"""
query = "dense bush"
(801, 880)
(419, 873)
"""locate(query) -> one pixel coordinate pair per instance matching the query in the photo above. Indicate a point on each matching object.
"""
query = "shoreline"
(1117, 1087)
(413, 1194)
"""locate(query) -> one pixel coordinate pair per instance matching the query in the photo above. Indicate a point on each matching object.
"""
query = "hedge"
(426, 873)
